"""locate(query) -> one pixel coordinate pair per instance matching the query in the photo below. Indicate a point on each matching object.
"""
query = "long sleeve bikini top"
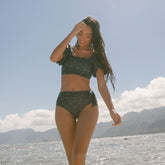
(85, 67)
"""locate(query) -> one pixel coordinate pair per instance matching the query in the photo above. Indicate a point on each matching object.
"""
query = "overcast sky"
(134, 35)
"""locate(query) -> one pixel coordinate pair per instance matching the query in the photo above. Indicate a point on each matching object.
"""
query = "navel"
(73, 89)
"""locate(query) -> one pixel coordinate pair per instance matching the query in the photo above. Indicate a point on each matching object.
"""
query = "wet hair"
(98, 45)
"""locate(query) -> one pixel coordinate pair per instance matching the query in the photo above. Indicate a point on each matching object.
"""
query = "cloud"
(104, 115)
(39, 120)
(152, 96)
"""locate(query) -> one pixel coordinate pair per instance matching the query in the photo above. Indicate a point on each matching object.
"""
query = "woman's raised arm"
(57, 53)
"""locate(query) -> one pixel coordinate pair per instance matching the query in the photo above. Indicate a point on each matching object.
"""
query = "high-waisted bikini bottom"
(75, 101)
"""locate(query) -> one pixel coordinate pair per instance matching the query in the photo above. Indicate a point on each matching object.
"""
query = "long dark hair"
(99, 47)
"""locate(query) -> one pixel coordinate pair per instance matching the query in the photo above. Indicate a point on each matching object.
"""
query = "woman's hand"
(116, 117)
(78, 27)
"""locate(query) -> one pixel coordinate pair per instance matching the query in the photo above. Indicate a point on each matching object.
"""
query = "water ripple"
(141, 149)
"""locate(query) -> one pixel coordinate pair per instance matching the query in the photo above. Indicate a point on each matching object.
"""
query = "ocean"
(148, 149)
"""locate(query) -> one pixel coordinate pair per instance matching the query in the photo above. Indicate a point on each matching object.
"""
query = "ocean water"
(132, 150)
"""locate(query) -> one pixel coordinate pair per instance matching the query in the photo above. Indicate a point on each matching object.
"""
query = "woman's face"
(84, 37)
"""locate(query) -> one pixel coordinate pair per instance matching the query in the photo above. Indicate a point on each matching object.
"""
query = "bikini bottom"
(75, 101)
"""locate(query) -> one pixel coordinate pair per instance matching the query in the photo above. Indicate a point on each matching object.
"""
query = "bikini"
(75, 101)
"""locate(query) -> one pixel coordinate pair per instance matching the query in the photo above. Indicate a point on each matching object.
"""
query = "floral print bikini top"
(85, 67)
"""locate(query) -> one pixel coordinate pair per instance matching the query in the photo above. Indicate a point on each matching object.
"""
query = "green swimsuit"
(75, 101)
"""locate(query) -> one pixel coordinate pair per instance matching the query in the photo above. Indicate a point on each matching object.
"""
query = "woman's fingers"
(116, 118)
(78, 27)
(117, 121)
(81, 25)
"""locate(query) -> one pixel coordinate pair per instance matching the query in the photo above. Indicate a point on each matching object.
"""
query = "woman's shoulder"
(67, 50)
(66, 54)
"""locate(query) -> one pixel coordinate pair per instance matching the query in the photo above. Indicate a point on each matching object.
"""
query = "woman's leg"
(85, 126)
(66, 125)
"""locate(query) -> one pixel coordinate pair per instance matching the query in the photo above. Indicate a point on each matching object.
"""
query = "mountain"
(133, 123)
(28, 136)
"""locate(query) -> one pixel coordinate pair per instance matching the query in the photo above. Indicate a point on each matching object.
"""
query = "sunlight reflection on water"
(140, 149)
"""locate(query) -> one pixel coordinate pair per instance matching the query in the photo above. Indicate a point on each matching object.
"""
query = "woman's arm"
(57, 54)
(103, 89)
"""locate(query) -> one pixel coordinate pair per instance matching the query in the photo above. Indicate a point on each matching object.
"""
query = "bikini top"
(85, 67)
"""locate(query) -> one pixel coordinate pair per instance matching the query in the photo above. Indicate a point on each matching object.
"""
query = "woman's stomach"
(71, 82)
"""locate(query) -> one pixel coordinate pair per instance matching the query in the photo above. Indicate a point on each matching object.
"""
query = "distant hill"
(28, 136)
(133, 123)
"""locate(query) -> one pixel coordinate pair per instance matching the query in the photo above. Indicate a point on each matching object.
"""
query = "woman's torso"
(79, 67)
(71, 82)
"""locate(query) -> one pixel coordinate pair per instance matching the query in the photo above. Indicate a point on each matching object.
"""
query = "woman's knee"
(78, 158)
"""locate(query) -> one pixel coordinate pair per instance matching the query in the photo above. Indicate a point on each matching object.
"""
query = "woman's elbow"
(52, 59)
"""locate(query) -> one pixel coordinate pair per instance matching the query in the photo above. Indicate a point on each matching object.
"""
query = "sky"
(134, 36)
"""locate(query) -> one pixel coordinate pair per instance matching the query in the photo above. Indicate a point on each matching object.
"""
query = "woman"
(76, 106)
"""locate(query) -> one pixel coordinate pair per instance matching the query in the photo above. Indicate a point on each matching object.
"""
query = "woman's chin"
(83, 44)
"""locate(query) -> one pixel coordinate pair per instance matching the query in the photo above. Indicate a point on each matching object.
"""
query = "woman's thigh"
(85, 126)
(66, 125)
